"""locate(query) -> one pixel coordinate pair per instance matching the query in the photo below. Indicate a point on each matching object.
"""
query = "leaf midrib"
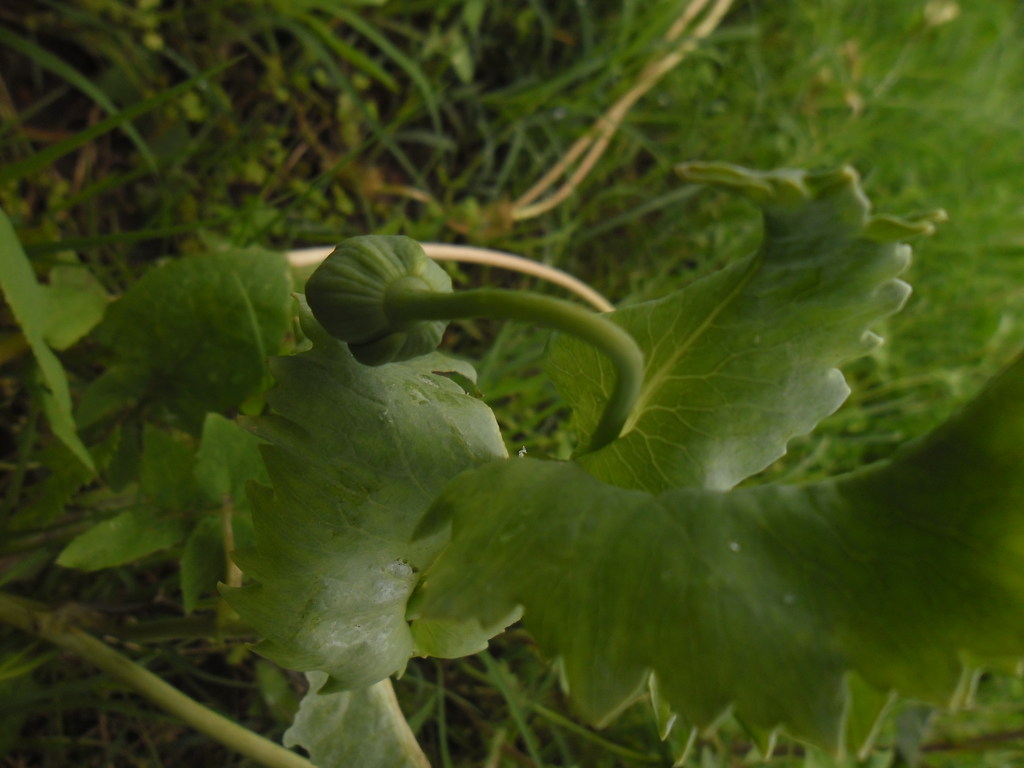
(653, 383)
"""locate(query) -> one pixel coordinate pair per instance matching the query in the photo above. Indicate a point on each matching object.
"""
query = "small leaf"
(202, 562)
(362, 728)
(227, 460)
(127, 458)
(277, 692)
(129, 536)
(50, 496)
(118, 390)
(75, 303)
(739, 363)
(25, 297)
(166, 474)
(461, 56)
(473, 15)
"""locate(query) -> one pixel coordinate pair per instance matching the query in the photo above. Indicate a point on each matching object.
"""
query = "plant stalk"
(406, 302)
(50, 626)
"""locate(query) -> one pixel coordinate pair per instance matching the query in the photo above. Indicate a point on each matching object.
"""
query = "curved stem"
(48, 625)
(404, 303)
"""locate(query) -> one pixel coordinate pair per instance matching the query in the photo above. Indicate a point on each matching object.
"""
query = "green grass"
(331, 120)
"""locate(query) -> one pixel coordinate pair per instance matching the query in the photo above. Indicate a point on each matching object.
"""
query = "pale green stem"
(406, 301)
(49, 626)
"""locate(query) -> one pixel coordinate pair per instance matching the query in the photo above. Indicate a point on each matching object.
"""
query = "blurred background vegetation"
(285, 124)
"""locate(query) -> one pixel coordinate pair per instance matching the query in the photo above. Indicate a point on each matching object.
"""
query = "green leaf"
(49, 497)
(744, 360)
(762, 600)
(125, 538)
(202, 562)
(277, 691)
(118, 390)
(362, 728)
(75, 303)
(126, 461)
(227, 460)
(194, 334)
(167, 466)
(355, 456)
(25, 297)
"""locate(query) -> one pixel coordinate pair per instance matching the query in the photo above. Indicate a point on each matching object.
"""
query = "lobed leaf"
(742, 361)
(799, 608)
(355, 456)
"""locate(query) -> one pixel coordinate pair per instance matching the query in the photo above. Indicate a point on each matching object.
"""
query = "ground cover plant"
(158, 162)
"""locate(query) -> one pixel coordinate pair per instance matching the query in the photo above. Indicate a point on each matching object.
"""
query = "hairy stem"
(56, 629)
(404, 302)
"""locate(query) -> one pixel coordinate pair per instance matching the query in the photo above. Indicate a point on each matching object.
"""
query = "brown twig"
(593, 144)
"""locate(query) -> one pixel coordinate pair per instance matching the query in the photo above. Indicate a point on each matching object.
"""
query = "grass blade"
(347, 52)
(62, 69)
(406, 64)
(498, 678)
(47, 156)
